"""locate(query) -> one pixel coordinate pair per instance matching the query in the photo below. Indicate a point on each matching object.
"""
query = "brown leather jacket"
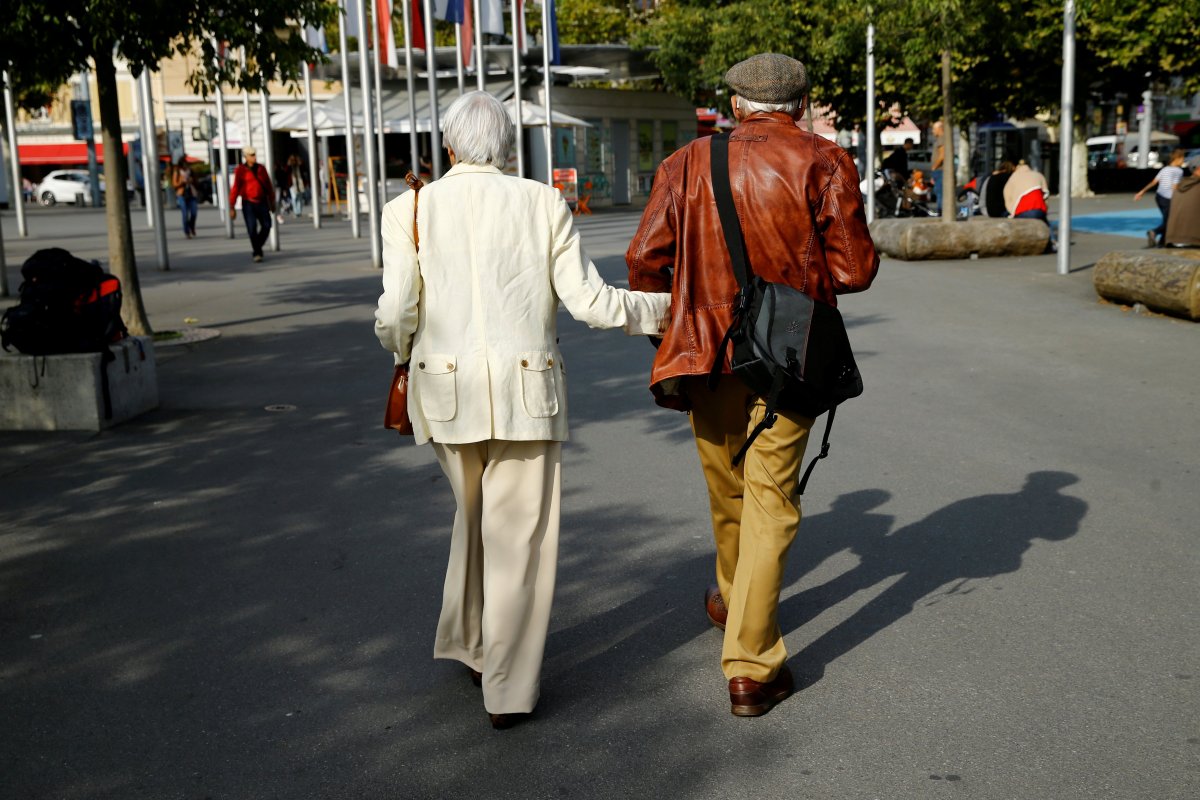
(802, 215)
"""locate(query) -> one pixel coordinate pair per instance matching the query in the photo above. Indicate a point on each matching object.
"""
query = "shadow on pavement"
(935, 559)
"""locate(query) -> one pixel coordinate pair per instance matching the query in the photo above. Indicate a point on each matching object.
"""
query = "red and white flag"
(387, 34)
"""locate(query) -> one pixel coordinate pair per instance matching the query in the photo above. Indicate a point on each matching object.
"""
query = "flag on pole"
(351, 20)
(491, 17)
(550, 36)
(468, 32)
(387, 34)
(449, 10)
(416, 15)
(522, 32)
(315, 38)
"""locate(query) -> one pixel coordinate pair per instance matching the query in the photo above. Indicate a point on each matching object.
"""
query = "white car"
(64, 185)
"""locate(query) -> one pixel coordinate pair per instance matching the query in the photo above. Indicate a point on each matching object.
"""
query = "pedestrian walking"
(1183, 228)
(803, 222)
(472, 283)
(297, 188)
(184, 184)
(252, 183)
(939, 158)
(1164, 189)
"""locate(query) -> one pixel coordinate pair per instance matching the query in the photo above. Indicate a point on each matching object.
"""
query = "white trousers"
(503, 557)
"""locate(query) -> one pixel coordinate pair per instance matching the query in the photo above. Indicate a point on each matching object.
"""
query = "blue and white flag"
(550, 36)
(449, 10)
(315, 38)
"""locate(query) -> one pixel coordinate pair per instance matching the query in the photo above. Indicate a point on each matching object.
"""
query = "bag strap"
(731, 226)
(415, 184)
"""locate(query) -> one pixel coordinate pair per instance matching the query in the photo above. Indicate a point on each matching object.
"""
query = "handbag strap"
(731, 226)
(415, 184)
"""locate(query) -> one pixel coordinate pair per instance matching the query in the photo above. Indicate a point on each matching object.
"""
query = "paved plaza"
(993, 594)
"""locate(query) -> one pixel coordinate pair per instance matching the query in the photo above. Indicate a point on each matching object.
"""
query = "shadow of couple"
(931, 560)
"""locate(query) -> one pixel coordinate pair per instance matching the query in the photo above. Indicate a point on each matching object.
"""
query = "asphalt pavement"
(993, 593)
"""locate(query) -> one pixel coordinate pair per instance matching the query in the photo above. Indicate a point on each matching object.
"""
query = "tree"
(47, 43)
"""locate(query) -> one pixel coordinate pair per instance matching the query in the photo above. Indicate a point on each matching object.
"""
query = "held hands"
(233, 213)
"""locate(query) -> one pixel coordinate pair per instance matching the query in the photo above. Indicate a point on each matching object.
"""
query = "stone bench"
(1164, 279)
(65, 392)
(984, 237)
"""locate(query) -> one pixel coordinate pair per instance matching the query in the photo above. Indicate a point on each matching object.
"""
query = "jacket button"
(421, 365)
(450, 367)
(549, 362)
(524, 362)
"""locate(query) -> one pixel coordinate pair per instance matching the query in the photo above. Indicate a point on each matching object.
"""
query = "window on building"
(645, 140)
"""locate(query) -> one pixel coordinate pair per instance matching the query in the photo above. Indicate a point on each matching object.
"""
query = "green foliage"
(48, 42)
(593, 21)
(1005, 54)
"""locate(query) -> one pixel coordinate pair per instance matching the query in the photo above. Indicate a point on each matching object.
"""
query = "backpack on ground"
(67, 305)
(788, 348)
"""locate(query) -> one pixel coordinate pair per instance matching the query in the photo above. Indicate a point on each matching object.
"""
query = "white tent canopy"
(533, 116)
(330, 119)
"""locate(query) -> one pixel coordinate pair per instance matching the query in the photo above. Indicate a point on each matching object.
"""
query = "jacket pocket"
(539, 386)
(435, 385)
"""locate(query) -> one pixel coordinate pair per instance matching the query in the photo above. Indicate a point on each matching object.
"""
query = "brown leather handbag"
(395, 415)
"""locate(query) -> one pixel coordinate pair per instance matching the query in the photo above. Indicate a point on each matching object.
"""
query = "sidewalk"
(992, 594)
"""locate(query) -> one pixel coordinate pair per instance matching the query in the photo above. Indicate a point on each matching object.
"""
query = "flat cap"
(768, 78)
(249, 151)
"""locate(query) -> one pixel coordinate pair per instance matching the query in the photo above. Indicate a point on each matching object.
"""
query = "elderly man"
(253, 184)
(802, 218)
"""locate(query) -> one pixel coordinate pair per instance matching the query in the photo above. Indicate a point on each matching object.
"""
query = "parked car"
(1105, 152)
(64, 186)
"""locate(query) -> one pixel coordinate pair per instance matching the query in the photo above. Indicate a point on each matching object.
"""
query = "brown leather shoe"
(714, 606)
(749, 698)
(476, 677)
(505, 721)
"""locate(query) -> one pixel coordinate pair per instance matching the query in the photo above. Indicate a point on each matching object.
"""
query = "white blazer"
(474, 315)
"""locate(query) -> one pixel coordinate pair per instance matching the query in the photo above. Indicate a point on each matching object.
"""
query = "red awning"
(69, 154)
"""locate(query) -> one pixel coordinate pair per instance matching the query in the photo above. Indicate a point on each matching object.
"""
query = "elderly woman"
(474, 315)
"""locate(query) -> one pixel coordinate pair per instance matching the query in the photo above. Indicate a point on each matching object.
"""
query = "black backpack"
(67, 305)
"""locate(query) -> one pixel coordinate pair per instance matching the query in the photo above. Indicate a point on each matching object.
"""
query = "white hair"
(753, 106)
(478, 129)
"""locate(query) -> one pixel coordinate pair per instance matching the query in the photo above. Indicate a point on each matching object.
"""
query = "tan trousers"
(503, 556)
(755, 516)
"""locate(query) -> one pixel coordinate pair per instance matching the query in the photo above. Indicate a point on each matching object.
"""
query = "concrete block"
(64, 392)
(922, 239)
(1163, 279)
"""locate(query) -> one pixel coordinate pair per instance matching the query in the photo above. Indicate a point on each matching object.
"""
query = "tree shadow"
(933, 560)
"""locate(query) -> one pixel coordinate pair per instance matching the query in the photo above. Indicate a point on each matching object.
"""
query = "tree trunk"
(121, 260)
(1079, 162)
(949, 198)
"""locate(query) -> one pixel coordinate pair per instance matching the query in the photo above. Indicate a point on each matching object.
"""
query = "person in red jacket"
(252, 182)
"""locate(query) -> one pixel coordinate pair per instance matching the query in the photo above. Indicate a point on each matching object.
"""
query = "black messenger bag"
(787, 347)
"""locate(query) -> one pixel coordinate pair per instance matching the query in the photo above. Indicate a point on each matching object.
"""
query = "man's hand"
(233, 213)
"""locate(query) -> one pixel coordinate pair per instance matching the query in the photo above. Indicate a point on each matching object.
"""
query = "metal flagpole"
(1145, 128)
(1066, 138)
(10, 116)
(869, 164)
(264, 105)
(351, 160)
(247, 139)
(458, 58)
(381, 188)
(435, 132)
(369, 153)
(516, 59)
(219, 184)
(480, 61)
(150, 169)
(414, 151)
(314, 172)
(547, 82)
